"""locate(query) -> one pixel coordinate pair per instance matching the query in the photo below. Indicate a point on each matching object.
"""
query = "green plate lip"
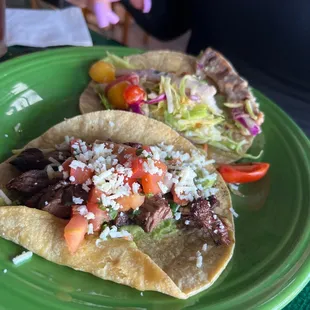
(301, 276)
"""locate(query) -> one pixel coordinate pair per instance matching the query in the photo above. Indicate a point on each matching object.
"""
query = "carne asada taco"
(202, 98)
(123, 197)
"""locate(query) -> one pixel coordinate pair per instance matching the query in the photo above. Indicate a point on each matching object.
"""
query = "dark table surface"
(291, 97)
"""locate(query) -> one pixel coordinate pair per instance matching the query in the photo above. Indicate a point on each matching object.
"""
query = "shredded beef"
(30, 182)
(204, 217)
(122, 219)
(154, 210)
(30, 159)
(57, 198)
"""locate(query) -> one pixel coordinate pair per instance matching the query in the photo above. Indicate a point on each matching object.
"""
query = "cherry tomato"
(134, 94)
(102, 72)
(116, 95)
(243, 173)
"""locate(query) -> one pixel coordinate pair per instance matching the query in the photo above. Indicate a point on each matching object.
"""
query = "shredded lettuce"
(233, 105)
(249, 109)
(118, 62)
(104, 101)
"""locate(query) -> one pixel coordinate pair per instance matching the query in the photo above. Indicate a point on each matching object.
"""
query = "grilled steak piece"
(154, 210)
(30, 159)
(57, 199)
(122, 219)
(60, 156)
(30, 182)
(202, 216)
(213, 65)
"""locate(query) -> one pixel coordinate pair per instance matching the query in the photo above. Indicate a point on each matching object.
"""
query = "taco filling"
(105, 186)
(209, 104)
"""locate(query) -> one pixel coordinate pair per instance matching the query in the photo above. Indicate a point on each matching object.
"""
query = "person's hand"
(103, 9)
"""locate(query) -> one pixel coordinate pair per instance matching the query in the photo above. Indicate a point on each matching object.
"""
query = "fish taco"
(123, 197)
(203, 98)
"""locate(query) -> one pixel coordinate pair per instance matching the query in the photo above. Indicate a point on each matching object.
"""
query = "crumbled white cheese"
(82, 210)
(77, 200)
(177, 215)
(114, 233)
(65, 175)
(205, 247)
(85, 187)
(90, 216)
(46, 203)
(199, 259)
(187, 222)
(5, 270)
(17, 127)
(90, 230)
(6, 199)
(135, 187)
(60, 168)
(234, 213)
(111, 124)
(164, 189)
(141, 293)
(6, 135)
(72, 178)
(150, 167)
(77, 164)
(22, 257)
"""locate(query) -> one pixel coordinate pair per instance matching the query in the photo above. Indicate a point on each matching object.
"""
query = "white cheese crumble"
(17, 127)
(177, 215)
(82, 210)
(6, 199)
(6, 135)
(77, 200)
(164, 189)
(77, 164)
(111, 124)
(65, 175)
(187, 222)
(90, 216)
(141, 293)
(5, 270)
(90, 230)
(205, 247)
(72, 178)
(234, 213)
(199, 259)
(135, 187)
(114, 233)
(22, 257)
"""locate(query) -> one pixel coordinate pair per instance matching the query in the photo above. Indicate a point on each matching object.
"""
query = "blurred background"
(126, 32)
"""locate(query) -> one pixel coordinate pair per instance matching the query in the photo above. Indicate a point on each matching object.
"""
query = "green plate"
(271, 262)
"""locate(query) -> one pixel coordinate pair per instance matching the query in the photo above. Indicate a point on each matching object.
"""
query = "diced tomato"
(244, 172)
(80, 175)
(101, 216)
(130, 181)
(93, 206)
(94, 195)
(75, 231)
(128, 154)
(149, 181)
(137, 168)
(150, 184)
(133, 201)
(176, 199)
(66, 164)
(134, 94)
